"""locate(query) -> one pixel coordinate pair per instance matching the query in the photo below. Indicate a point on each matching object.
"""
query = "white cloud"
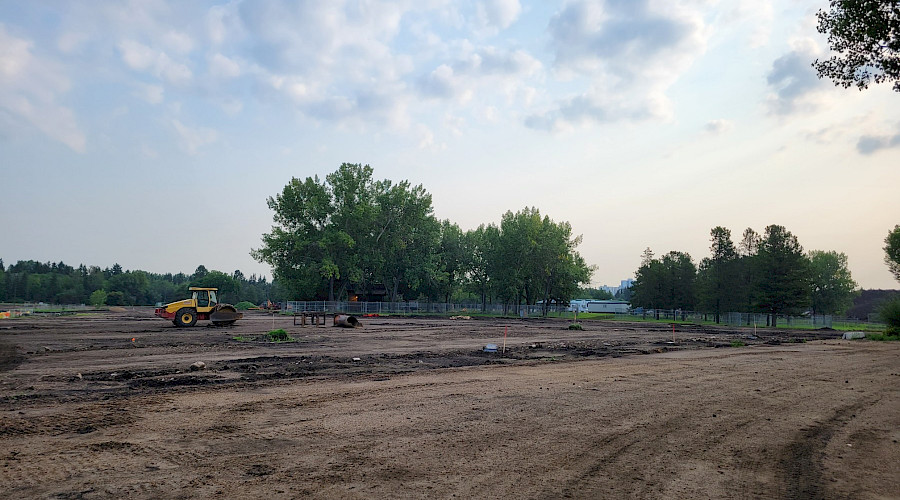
(154, 94)
(718, 127)
(30, 88)
(71, 42)
(178, 42)
(630, 53)
(140, 57)
(498, 13)
(193, 138)
(223, 67)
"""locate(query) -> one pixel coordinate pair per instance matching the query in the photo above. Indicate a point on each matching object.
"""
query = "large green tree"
(718, 279)
(482, 246)
(892, 251)
(832, 288)
(781, 273)
(535, 259)
(351, 231)
(665, 283)
(866, 35)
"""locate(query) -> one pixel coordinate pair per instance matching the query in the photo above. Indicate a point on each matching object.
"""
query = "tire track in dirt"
(801, 461)
(9, 356)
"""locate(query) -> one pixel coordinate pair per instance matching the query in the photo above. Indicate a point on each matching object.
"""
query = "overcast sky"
(150, 133)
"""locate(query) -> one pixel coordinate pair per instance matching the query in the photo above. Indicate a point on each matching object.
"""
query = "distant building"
(608, 306)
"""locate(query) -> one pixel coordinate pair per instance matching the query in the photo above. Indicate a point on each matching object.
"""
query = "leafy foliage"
(350, 235)
(665, 283)
(764, 273)
(892, 251)
(866, 34)
(833, 289)
(278, 336)
(32, 281)
(890, 314)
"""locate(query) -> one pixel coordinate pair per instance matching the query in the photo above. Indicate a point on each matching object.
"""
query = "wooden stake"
(505, 331)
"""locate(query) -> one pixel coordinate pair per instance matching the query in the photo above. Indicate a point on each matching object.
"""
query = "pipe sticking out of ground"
(346, 321)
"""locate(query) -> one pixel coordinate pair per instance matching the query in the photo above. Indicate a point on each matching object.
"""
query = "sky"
(151, 133)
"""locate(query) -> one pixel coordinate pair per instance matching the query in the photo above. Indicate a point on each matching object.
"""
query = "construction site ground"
(106, 405)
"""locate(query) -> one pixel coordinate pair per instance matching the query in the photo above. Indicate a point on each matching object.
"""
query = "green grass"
(279, 335)
(241, 338)
(737, 343)
(576, 326)
(883, 337)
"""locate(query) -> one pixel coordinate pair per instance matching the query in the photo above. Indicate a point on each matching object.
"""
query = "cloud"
(599, 107)
(488, 68)
(497, 14)
(30, 88)
(223, 67)
(154, 94)
(193, 138)
(793, 81)
(871, 144)
(140, 57)
(718, 127)
(630, 52)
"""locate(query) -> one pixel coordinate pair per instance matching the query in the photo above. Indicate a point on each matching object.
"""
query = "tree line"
(351, 237)
(59, 283)
(765, 273)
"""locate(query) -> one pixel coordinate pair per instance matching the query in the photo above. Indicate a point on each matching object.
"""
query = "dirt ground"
(107, 406)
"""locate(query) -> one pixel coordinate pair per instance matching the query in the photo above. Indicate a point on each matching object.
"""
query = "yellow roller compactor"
(202, 305)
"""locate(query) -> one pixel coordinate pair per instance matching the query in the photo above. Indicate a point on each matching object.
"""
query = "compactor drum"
(203, 305)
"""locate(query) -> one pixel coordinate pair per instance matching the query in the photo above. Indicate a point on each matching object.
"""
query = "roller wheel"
(185, 317)
(224, 315)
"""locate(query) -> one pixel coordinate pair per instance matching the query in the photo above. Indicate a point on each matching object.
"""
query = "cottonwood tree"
(866, 34)
(481, 248)
(535, 259)
(351, 230)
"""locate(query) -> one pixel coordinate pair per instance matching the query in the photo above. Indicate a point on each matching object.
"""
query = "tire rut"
(801, 466)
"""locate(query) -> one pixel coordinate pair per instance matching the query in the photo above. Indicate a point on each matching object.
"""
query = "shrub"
(737, 343)
(278, 336)
(890, 314)
(883, 337)
(244, 305)
(575, 326)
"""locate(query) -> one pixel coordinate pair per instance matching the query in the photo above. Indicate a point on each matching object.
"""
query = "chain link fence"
(727, 319)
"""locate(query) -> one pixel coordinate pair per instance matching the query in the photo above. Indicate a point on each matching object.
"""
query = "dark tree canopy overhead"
(866, 35)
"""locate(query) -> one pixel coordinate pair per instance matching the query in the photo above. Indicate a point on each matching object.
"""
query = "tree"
(892, 251)
(351, 231)
(536, 260)
(227, 286)
(866, 34)
(453, 259)
(718, 279)
(481, 247)
(832, 289)
(781, 272)
(665, 283)
(98, 298)
(594, 294)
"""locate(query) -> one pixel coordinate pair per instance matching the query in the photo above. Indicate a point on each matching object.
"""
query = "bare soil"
(107, 406)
